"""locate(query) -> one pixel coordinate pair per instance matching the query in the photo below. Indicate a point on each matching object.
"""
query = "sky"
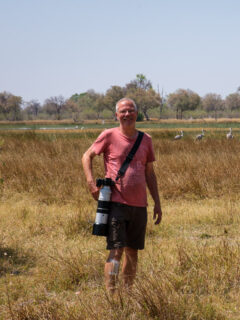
(62, 47)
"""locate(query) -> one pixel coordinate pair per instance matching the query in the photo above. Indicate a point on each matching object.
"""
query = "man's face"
(126, 114)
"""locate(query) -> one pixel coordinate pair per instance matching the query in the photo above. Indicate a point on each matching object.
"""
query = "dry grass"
(189, 269)
(49, 166)
(208, 168)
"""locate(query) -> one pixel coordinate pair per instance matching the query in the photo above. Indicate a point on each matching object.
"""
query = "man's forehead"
(126, 103)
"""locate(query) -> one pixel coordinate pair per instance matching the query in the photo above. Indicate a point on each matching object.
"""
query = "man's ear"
(116, 115)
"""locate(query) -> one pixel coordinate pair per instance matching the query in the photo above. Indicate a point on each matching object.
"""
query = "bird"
(200, 136)
(179, 136)
(229, 135)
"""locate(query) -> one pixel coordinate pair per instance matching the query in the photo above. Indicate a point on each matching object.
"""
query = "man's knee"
(133, 253)
(115, 254)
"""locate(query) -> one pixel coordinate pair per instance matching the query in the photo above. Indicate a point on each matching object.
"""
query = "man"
(128, 215)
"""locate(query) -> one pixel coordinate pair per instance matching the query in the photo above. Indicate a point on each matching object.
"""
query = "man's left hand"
(157, 214)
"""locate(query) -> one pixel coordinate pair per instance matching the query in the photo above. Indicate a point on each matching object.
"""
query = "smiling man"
(128, 214)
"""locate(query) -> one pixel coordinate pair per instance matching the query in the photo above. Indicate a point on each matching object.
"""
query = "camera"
(100, 227)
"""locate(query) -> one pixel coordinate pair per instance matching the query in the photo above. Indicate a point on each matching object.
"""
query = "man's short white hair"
(126, 99)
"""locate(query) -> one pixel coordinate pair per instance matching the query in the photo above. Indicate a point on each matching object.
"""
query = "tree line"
(183, 103)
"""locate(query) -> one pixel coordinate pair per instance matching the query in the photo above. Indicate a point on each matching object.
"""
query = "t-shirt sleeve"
(150, 155)
(100, 143)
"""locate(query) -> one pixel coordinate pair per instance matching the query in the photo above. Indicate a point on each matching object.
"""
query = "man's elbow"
(83, 157)
(87, 157)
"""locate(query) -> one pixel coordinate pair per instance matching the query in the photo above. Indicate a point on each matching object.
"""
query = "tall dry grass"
(189, 168)
(49, 166)
(189, 269)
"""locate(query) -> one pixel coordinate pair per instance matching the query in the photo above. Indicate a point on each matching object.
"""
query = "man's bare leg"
(112, 268)
(129, 267)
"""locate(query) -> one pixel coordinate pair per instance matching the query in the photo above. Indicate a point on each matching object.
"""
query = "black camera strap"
(130, 156)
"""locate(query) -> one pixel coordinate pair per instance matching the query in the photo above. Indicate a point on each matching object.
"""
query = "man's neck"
(129, 132)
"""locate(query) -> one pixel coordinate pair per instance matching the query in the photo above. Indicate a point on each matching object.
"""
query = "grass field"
(190, 267)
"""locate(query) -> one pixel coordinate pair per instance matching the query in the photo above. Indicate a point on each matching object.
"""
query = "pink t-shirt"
(115, 146)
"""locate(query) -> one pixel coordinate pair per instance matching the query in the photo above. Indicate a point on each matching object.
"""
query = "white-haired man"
(128, 215)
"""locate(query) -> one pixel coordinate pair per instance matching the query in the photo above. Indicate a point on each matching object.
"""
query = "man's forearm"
(87, 168)
(153, 187)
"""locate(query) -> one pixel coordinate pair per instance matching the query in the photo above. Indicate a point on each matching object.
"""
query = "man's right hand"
(95, 194)
(94, 190)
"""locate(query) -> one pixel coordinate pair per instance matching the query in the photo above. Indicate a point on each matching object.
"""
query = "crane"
(200, 136)
(179, 136)
(229, 135)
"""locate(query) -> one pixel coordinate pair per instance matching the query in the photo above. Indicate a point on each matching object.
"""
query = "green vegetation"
(154, 124)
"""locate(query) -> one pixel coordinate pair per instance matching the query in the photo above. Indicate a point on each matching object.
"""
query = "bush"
(140, 116)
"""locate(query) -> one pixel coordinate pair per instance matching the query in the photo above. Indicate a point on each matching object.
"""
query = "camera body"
(100, 227)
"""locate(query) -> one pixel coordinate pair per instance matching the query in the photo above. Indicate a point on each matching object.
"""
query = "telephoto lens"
(100, 227)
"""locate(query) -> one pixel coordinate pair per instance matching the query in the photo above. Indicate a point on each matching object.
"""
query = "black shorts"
(126, 226)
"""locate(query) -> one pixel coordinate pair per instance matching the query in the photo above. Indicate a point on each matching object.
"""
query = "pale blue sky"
(53, 47)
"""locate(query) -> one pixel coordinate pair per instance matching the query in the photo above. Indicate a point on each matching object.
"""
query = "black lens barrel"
(103, 204)
(104, 182)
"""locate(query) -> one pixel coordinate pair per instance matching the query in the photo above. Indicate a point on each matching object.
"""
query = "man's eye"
(129, 111)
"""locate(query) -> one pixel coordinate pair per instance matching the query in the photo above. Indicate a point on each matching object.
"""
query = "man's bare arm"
(87, 168)
(153, 188)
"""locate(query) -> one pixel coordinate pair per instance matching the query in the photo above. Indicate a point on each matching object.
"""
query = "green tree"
(55, 106)
(71, 106)
(99, 105)
(89, 104)
(75, 97)
(183, 100)
(141, 82)
(71, 109)
(4, 96)
(213, 103)
(10, 106)
(141, 91)
(14, 106)
(32, 108)
(232, 101)
(96, 101)
(112, 96)
(145, 100)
